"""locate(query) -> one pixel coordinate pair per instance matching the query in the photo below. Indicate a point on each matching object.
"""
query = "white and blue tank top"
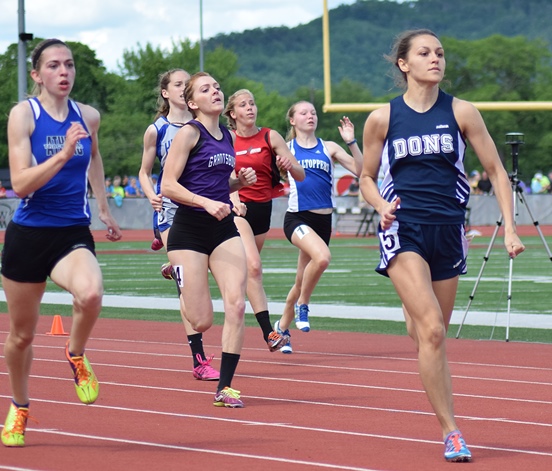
(316, 190)
(63, 201)
(165, 135)
(423, 163)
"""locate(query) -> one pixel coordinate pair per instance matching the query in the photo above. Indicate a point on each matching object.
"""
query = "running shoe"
(166, 271)
(286, 347)
(276, 340)
(204, 371)
(13, 433)
(156, 244)
(86, 383)
(455, 448)
(302, 317)
(228, 397)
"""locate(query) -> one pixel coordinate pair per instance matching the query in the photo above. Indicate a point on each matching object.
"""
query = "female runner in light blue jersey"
(308, 220)
(419, 140)
(171, 115)
(53, 154)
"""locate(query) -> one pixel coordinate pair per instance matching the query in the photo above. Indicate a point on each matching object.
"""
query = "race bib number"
(162, 216)
(302, 231)
(178, 275)
(389, 241)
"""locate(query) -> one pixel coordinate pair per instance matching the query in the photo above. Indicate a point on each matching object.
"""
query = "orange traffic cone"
(57, 327)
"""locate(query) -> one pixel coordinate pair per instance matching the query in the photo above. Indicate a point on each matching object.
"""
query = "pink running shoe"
(227, 397)
(204, 371)
(156, 244)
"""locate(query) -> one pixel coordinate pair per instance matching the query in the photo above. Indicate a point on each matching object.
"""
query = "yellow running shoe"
(13, 433)
(86, 383)
(227, 397)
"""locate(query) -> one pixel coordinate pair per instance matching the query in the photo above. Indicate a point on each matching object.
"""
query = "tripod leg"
(485, 260)
(536, 224)
(509, 298)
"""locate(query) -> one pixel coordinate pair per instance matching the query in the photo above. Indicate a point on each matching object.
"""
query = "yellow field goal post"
(365, 107)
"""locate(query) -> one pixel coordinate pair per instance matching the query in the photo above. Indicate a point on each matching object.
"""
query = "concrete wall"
(137, 213)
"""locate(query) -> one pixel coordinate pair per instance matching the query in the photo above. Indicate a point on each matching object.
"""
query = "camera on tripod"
(515, 139)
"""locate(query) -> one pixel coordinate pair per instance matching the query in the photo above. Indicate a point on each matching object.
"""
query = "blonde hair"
(291, 134)
(231, 106)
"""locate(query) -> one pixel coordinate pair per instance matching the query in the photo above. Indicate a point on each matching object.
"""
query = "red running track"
(342, 401)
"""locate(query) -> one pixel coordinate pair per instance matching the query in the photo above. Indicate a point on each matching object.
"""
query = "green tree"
(499, 68)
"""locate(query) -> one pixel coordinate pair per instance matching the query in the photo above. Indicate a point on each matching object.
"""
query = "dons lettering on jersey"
(426, 144)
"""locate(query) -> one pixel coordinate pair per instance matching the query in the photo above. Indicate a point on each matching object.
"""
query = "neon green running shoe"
(227, 397)
(86, 383)
(13, 433)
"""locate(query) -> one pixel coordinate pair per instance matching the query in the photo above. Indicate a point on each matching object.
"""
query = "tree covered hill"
(285, 59)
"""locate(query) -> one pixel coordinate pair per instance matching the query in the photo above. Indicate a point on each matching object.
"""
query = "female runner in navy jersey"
(419, 139)
(53, 153)
(171, 115)
(199, 176)
(257, 147)
(308, 220)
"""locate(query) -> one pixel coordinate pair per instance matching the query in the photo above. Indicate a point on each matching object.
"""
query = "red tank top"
(255, 152)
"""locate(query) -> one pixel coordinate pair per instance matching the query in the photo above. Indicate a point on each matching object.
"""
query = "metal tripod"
(514, 139)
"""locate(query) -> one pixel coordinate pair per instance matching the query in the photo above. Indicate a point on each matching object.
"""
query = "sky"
(109, 27)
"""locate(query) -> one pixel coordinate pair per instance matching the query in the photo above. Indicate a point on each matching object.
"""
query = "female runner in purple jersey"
(171, 115)
(199, 176)
(422, 241)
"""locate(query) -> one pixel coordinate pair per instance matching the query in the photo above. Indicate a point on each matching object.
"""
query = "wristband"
(352, 142)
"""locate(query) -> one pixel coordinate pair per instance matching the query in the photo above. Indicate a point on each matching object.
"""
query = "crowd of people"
(212, 206)
(539, 184)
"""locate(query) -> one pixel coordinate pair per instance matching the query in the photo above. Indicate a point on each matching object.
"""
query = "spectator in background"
(2, 191)
(132, 190)
(484, 185)
(473, 179)
(108, 187)
(118, 192)
(540, 184)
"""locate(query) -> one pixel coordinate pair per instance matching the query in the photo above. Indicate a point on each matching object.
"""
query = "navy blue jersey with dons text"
(423, 163)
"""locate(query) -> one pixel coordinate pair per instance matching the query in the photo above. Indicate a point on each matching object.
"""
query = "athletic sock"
(228, 364)
(263, 318)
(26, 406)
(195, 342)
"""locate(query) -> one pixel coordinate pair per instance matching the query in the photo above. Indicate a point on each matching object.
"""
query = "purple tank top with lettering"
(210, 165)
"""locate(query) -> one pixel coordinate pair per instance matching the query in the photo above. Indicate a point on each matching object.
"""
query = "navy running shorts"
(443, 247)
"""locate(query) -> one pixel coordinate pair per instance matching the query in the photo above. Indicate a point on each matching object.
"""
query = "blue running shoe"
(285, 348)
(455, 448)
(302, 317)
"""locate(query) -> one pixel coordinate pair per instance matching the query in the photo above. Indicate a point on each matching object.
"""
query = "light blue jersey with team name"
(315, 191)
(423, 163)
(165, 135)
(62, 201)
